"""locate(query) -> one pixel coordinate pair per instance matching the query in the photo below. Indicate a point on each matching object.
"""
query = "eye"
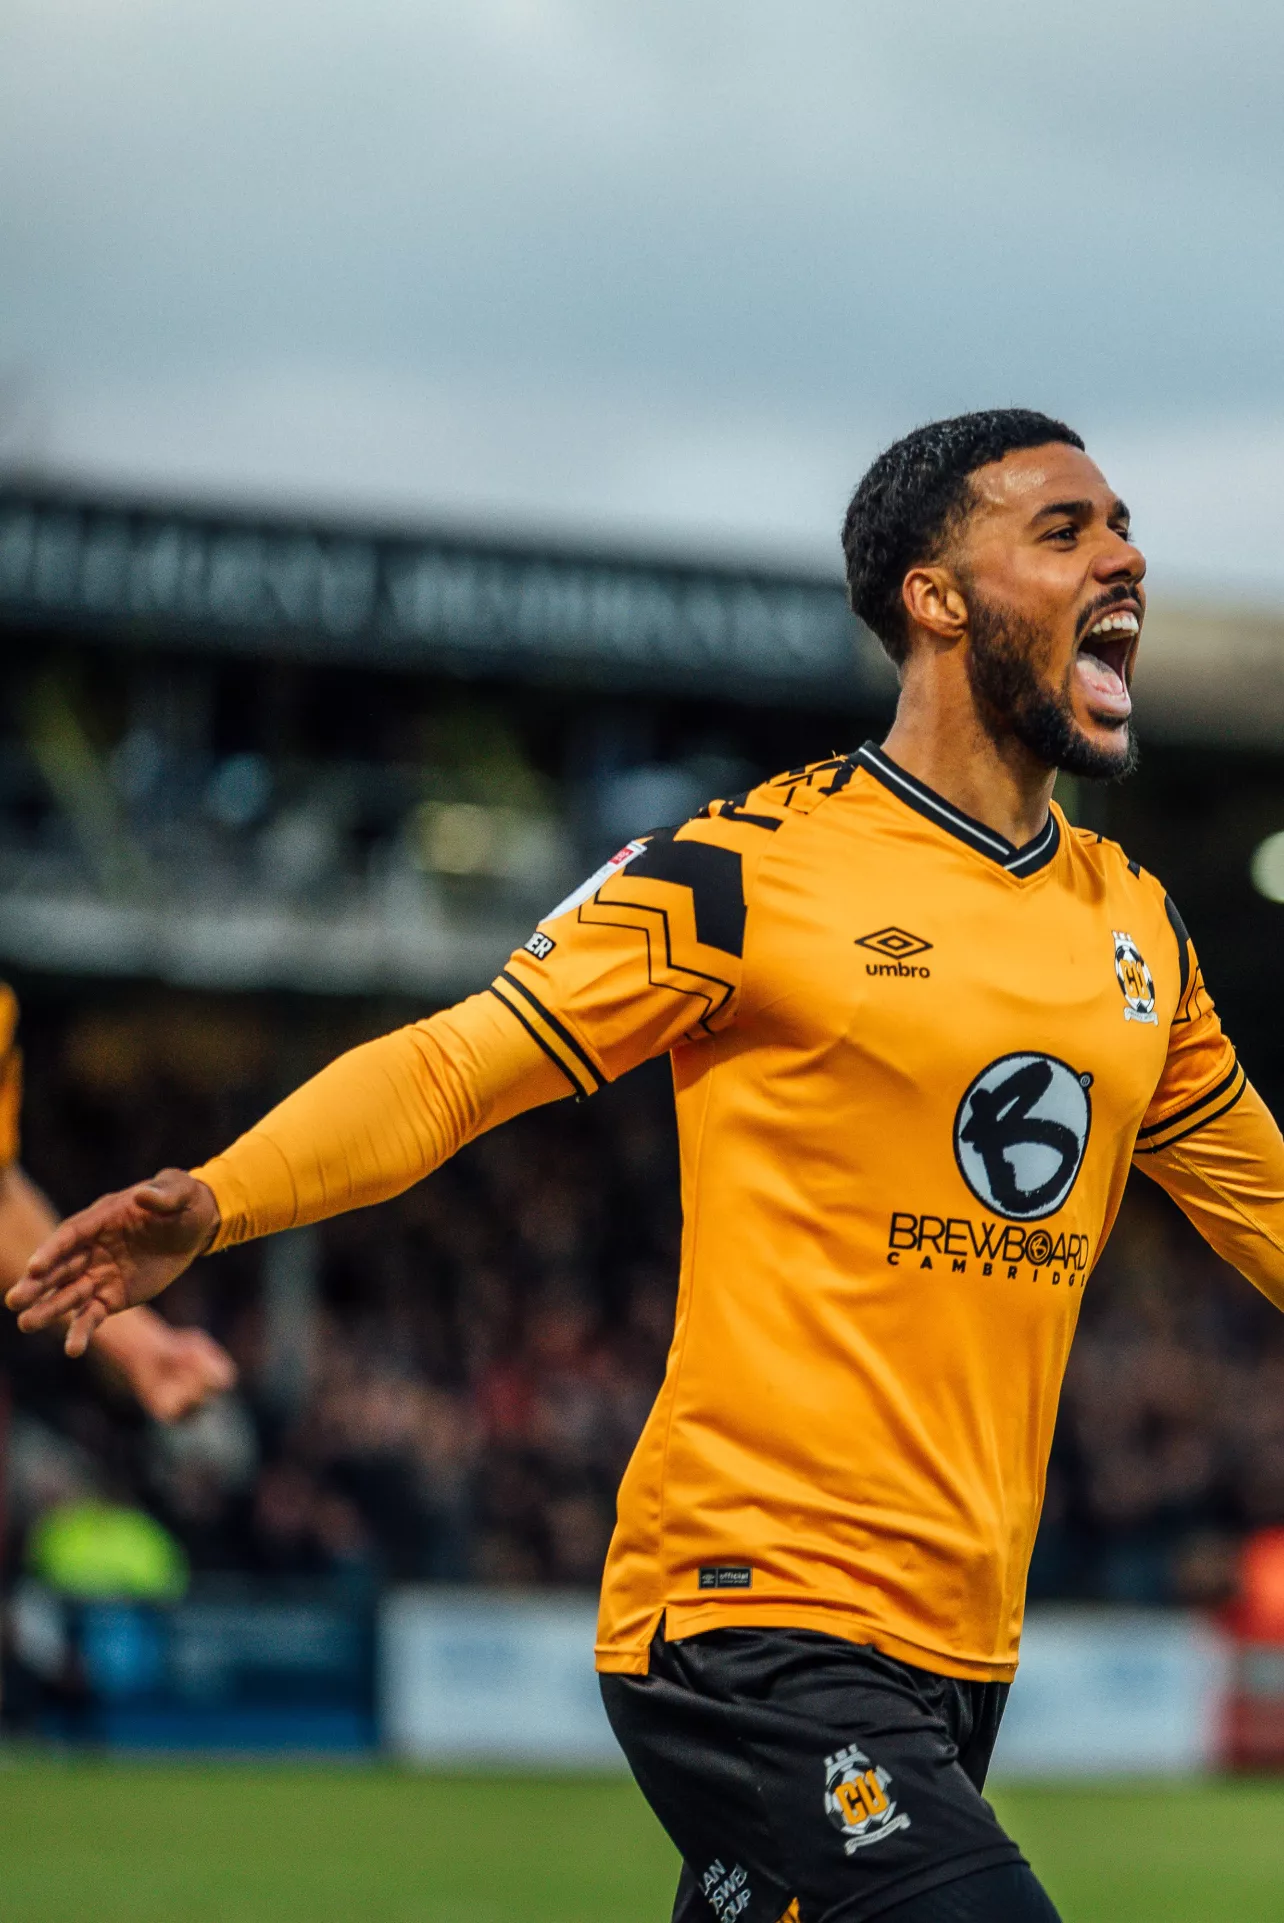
(1066, 533)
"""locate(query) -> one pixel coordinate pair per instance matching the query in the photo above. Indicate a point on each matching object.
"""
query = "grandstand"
(268, 786)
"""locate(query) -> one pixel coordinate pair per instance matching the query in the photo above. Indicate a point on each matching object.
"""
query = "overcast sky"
(671, 270)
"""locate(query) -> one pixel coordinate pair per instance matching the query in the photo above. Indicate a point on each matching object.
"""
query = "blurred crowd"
(1170, 1444)
(455, 1381)
(448, 1388)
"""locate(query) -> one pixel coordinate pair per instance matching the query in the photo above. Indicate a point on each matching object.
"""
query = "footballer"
(921, 1028)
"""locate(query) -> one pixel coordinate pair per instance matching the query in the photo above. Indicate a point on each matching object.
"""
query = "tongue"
(1103, 684)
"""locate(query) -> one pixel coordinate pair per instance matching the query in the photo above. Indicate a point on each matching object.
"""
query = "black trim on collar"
(925, 801)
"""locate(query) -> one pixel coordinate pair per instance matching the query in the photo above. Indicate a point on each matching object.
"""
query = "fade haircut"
(914, 497)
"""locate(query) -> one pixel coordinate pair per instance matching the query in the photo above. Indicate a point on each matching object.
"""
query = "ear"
(935, 602)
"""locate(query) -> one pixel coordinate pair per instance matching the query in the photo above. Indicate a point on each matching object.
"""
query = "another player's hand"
(169, 1371)
(123, 1249)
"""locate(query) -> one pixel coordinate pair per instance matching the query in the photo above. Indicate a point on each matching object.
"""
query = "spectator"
(488, 1348)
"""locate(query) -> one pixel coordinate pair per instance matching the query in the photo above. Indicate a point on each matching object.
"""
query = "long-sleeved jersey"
(10, 1077)
(913, 1065)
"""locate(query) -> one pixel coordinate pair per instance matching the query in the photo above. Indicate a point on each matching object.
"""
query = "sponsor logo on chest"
(1019, 1137)
(967, 1244)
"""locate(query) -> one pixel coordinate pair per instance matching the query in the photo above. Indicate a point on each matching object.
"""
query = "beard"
(1013, 698)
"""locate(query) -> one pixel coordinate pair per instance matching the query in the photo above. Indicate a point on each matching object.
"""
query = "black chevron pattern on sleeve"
(715, 877)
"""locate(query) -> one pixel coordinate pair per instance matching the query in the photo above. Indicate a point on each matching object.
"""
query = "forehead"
(1034, 477)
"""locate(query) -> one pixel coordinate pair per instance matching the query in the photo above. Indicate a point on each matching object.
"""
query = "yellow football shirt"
(913, 1065)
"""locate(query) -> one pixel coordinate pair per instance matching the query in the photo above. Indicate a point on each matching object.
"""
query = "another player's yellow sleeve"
(1210, 1140)
(647, 953)
(10, 1078)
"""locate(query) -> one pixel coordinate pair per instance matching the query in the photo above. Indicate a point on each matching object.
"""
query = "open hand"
(123, 1249)
(169, 1371)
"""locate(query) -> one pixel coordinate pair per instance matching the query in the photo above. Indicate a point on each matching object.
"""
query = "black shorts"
(790, 1767)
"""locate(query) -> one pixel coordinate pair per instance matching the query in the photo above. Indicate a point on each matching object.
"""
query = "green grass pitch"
(181, 1843)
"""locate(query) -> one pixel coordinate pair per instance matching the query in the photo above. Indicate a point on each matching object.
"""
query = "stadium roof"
(210, 579)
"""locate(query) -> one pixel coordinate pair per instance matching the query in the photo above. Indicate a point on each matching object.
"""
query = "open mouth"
(1103, 661)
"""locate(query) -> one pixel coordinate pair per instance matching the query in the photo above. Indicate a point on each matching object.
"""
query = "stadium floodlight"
(1267, 867)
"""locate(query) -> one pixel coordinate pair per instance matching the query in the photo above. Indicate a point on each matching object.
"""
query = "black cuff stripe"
(1157, 1148)
(1191, 1108)
(535, 1036)
(562, 1033)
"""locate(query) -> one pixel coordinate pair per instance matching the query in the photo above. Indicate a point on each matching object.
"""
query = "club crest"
(1134, 979)
(857, 1800)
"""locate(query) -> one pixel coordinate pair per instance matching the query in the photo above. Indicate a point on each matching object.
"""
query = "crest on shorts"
(1134, 979)
(857, 1801)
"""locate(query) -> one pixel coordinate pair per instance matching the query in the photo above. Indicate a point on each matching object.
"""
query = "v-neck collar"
(987, 841)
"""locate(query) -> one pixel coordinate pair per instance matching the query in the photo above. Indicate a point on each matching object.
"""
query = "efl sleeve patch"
(630, 852)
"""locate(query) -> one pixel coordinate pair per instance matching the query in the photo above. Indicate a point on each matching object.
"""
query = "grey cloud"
(812, 223)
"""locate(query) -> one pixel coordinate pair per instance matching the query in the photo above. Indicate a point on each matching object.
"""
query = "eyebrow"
(1083, 510)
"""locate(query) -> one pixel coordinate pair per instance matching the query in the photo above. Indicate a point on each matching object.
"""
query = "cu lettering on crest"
(1020, 1134)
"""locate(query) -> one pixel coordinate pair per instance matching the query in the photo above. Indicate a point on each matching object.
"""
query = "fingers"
(59, 1259)
(123, 1249)
(30, 1288)
(212, 1366)
(171, 1371)
(56, 1305)
(81, 1330)
(169, 1400)
(196, 1371)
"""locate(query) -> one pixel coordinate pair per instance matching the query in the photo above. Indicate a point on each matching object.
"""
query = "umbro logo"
(897, 945)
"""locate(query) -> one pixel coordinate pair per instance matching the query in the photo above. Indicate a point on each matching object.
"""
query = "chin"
(1099, 753)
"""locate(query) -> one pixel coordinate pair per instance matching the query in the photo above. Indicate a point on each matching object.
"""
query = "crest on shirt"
(1134, 979)
(858, 1801)
(1020, 1133)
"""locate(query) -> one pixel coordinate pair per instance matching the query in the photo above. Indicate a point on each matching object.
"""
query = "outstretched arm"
(366, 1128)
(647, 954)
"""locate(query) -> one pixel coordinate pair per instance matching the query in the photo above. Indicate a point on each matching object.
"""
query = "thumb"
(167, 1193)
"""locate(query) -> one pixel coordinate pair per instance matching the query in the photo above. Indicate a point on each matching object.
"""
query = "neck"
(939, 737)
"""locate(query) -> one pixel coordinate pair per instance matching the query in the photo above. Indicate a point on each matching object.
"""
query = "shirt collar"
(987, 841)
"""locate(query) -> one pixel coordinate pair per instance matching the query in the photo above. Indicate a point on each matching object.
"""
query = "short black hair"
(914, 495)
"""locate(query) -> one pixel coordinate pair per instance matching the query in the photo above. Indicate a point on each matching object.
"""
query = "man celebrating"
(920, 1028)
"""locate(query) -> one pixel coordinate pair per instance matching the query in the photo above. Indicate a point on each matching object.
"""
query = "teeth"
(1117, 624)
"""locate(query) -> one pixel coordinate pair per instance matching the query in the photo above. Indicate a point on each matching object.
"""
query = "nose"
(1121, 560)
